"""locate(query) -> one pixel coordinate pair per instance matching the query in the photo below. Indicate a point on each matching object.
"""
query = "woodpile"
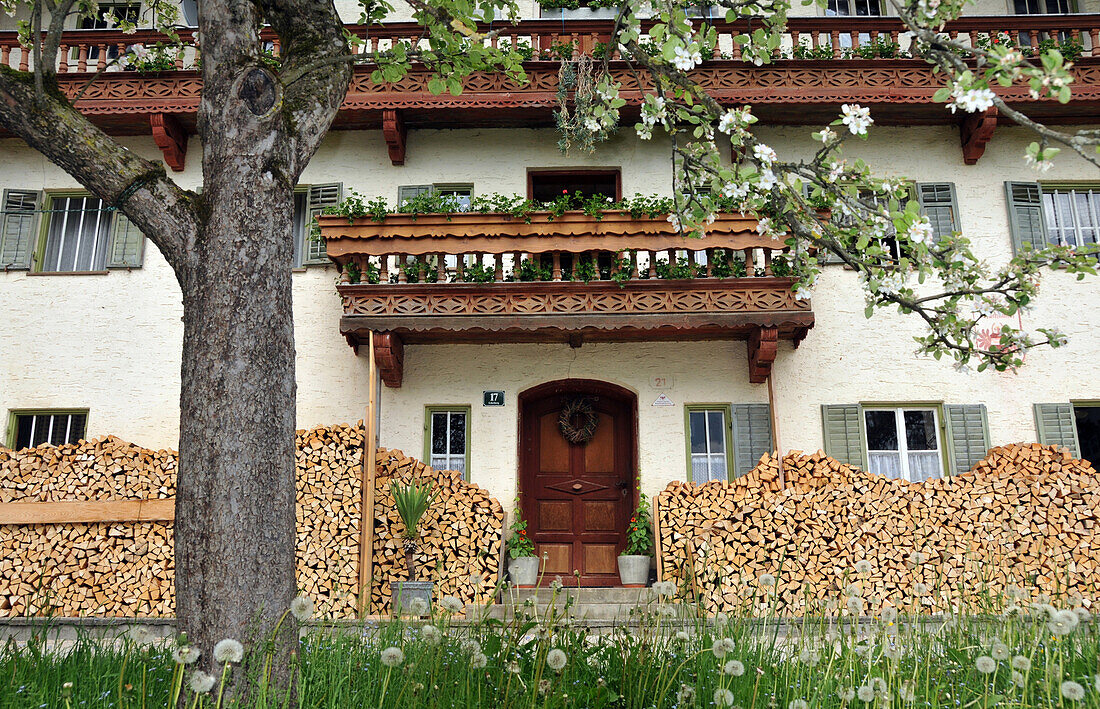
(126, 568)
(460, 544)
(1025, 515)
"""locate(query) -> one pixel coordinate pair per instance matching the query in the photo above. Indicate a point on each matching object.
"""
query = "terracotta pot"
(524, 570)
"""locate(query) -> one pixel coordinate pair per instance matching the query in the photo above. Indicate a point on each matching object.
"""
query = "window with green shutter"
(939, 204)
(843, 430)
(752, 435)
(447, 438)
(1056, 427)
(127, 244)
(320, 197)
(967, 435)
(1025, 215)
(708, 442)
(17, 230)
(82, 233)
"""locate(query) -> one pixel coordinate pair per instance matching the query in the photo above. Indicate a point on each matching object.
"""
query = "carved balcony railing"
(483, 278)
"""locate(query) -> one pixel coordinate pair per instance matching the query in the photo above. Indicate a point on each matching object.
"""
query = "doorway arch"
(577, 498)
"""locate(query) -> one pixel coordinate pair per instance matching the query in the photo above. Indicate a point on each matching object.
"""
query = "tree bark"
(232, 250)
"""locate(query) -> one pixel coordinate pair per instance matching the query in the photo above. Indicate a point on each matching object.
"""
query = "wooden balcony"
(837, 63)
(492, 278)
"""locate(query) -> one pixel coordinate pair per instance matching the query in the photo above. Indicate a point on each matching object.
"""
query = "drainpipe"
(775, 431)
(370, 469)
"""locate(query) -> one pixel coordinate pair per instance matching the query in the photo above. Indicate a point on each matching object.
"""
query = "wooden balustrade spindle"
(441, 267)
(1094, 35)
(62, 58)
(634, 264)
(768, 261)
(515, 265)
(710, 263)
(854, 37)
(1033, 35)
(556, 260)
(24, 59)
(594, 256)
(460, 272)
(652, 271)
(498, 269)
(794, 38)
(835, 37)
(82, 63)
(750, 262)
(5, 55)
(101, 63)
(402, 263)
(384, 269)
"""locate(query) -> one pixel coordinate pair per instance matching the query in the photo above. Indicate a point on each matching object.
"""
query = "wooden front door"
(578, 498)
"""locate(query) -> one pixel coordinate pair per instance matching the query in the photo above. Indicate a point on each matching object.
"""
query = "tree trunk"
(410, 558)
(235, 520)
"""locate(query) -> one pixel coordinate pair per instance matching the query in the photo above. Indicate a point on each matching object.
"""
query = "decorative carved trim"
(171, 138)
(389, 355)
(975, 130)
(393, 130)
(763, 346)
(744, 295)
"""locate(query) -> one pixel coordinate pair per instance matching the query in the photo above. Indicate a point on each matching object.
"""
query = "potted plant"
(412, 500)
(634, 560)
(523, 565)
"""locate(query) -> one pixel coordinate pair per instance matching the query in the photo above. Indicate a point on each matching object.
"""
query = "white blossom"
(826, 135)
(856, 117)
(767, 180)
(970, 100)
(764, 154)
(920, 232)
(686, 58)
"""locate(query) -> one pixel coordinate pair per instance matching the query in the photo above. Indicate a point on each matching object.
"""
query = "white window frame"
(903, 444)
(449, 458)
(1058, 234)
(101, 237)
(710, 455)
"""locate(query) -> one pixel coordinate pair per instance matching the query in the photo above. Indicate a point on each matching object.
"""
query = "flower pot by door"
(524, 570)
(405, 593)
(634, 570)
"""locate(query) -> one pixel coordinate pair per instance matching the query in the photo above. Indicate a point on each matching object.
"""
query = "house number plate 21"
(492, 398)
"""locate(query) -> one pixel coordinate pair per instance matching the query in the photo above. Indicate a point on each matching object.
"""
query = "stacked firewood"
(126, 568)
(461, 535)
(836, 539)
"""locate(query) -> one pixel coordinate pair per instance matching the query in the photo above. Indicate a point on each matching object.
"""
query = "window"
(109, 15)
(447, 440)
(463, 194)
(1043, 7)
(32, 428)
(1087, 419)
(708, 442)
(1072, 215)
(903, 443)
(548, 185)
(308, 203)
(860, 8)
(83, 234)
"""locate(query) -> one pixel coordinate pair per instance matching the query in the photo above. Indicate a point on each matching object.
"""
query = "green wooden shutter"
(967, 435)
(17, 230)
(1057, 427)
(127, 244)
(1025, 215)
(844, 433)
(752, 435)
(939, 204)
(320, 196)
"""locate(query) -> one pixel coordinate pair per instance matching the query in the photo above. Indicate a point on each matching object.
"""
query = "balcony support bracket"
(393, 130)
(389, 355)
(171, 138)
(975, 131)
(763, 346)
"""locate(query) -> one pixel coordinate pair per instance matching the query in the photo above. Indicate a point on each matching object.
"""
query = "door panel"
(578, 498)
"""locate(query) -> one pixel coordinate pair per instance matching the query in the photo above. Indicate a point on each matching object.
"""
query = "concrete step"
(614, 594)
(582, 611)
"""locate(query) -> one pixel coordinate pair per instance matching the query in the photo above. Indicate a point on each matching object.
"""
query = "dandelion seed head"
(479, 661)
(723, 697)
(847, 694)
(798, 704)
(302, 608)
(451, 604)
(1063, 623)
(471, 646)
(1018, 678)
(141, 635)
(809, 657)
(1072, 690)
(556, 659)
(431, 634)
(985, 664)
(766, 580)
(1021, 663)
(889, 614)
(200, 682)
(544, 686)
(866, 693)
(734, 668)
(686, 695)
(682, 636)
(185, 655)
(999, 651)
(392, 656)
(907, 693)
(228, 650)
(863, 566)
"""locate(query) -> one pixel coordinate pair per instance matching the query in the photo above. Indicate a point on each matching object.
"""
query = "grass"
(1018, 659)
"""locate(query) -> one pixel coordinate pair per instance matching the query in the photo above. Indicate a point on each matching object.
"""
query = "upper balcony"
(822, 63)
(488, 278)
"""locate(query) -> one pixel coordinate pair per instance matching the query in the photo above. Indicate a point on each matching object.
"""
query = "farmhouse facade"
(662, 364)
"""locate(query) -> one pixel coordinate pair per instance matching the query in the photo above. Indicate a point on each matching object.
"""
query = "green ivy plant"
(519, 543)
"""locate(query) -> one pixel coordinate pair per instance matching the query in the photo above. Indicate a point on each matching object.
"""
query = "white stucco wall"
(111, 343)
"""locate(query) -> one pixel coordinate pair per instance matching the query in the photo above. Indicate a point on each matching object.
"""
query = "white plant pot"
(634, 570)
(524, 570)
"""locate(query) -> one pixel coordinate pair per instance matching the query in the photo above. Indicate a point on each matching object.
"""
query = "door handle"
(622, 485)
(577, 486)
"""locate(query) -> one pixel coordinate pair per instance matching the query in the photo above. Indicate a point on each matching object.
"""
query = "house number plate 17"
(492, 398)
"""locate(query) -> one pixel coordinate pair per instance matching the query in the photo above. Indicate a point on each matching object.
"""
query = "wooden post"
(775, 432)
(370, 465)
(657, 537)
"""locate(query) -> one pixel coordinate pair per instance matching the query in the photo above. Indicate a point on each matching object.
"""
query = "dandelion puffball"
(555, 659)
(430, 634)
(1063, 622)
(1072, 691)
(228, 650)
(985, 664)
(302, 608)
(863, 566)
(201, 683)
(392, 657)
(734, 668)
(723, 697)
(185, 655)
(866, 693)
(682, 636)
(766, 580)
(451, 604)
(479, 661)
(1018, 678)
(999, 651)
(686, 695)
(846, 694)
(798, 704)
